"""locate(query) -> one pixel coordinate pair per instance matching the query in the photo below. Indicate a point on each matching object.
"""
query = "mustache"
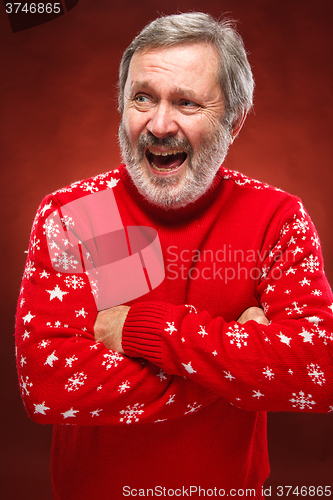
(149, 140)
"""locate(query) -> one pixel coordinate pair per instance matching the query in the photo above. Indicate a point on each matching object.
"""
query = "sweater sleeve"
(284, 366)
(64, 375)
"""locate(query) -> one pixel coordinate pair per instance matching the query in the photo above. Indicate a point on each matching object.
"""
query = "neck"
(173, 215)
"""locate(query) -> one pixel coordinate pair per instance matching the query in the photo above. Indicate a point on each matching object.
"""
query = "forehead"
(192, 67)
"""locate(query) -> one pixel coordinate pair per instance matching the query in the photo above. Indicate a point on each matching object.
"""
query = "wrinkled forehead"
(190, 68)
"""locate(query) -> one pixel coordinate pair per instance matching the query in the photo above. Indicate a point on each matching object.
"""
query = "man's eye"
(142, 99)
(186, 103)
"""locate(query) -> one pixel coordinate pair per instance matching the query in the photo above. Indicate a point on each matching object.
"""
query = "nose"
(162, 122)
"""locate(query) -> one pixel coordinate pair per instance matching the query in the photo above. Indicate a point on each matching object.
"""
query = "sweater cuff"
(142, 331)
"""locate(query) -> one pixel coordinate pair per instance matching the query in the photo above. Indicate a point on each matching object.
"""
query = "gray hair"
(235, 73)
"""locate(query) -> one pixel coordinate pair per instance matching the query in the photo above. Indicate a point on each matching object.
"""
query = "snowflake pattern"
(316, 374)
(74, 282)
(67, 221)
(268, 372)
(301, 226)
(65, 261)
(238, 335)
(192, 408)
(161, 375)
(29, 269)
(131, 413)
(90, 187)
(112, 359)
(51, 229)
(311, 264)
(124, 386)
(297, 309)
(76, 381)
(70, 361)
(302, 401)
(25, 385)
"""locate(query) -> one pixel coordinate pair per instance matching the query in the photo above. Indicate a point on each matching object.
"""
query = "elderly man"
(213, 304)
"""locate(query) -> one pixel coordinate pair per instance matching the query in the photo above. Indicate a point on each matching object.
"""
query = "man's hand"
(108, 327)
(255, 314)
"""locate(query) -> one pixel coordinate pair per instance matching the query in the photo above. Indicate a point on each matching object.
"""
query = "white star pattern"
(284, 339)
(41, 408)
(43, 344)
(307, 336)
(81, 312)
(257, 394)
(28, 317)
(56, 293)
(112, 183)
(188, 367)
(51, 359)
(202, 331)
(171, 327)
(95, 413)
(70, 413)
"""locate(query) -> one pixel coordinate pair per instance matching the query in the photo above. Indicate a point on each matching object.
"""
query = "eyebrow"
(177, 90)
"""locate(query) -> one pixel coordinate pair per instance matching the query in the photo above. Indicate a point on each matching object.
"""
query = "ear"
(237, 125)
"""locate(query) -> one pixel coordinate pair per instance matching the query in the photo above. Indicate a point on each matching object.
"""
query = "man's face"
(171, 135)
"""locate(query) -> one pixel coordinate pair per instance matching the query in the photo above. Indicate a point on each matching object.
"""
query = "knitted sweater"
(185, 407)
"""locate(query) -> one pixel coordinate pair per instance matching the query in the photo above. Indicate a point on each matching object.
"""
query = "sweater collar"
(175, 215)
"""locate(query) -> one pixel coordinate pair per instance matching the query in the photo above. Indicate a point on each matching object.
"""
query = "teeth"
(165, 153)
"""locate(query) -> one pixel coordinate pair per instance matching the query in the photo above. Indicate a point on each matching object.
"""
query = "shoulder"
(255, 191)
(78, 189)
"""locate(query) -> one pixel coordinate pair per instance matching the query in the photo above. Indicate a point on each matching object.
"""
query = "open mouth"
(165, 161)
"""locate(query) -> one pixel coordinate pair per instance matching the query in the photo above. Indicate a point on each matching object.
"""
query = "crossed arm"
(109, 324)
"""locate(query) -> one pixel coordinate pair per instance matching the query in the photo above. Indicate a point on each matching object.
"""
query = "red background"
(59, 125)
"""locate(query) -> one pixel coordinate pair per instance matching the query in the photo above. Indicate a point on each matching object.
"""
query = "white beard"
(175, 192)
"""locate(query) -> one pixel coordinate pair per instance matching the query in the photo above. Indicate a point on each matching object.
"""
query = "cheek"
(133, 124)
(197, 131)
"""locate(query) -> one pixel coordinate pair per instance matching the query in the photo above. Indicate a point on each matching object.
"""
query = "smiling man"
(167, 394)
(171, 132)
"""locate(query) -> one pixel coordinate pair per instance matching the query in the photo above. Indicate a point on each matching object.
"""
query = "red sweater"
(185, 407)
